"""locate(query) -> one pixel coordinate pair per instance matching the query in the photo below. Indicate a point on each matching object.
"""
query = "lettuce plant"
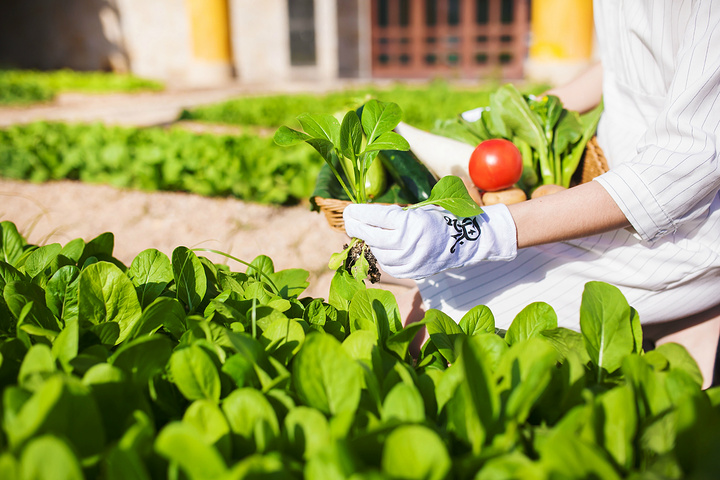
(178, 367)
(349, 148)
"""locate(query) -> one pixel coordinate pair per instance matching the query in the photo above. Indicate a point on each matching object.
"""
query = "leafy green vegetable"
(451, 194)
(137, 373)
(27, 86)
(550, 138)
(344, 146)
(245, 166)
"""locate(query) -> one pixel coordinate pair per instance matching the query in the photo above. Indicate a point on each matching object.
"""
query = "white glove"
(420, 242)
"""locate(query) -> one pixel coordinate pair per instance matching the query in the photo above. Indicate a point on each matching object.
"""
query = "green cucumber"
(375, 179)
(414, 179)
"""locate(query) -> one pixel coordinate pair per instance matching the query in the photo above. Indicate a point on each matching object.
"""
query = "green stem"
(249, 265)
(362, 196)
(546, 168)
(254, 317)
(558, 167)
(345, 187)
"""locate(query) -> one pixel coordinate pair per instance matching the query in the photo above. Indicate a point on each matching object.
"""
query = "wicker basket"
(594, 162)
(592, 165)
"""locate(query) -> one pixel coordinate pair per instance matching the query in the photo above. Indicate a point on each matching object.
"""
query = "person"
(648, 226)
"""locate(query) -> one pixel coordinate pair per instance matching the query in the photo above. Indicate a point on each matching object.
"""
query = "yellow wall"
(561, 29)
(210, 31)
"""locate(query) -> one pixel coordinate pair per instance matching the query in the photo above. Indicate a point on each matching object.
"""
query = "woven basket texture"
(593, 164)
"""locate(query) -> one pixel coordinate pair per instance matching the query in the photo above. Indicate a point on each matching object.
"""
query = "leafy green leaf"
(306, 431)
(290, 282)
(388, 141)
(251, 417)
(567, 342)
(376, 310)
(49, 458)
(210, 422)
(399, 342)
(617, 417)
(105, 294)
(41, 259)
(478, 386)
(285, 136)
(526, 371)
(443, 332)
(477, 320)
(195, 374)
(679, 358)
(164, 312)
(404, 404)
(190, 278)
(61, 291)
(26, 301)
(321, 126)
(571, 457)
(101, 247)
(142, 358)
(325, 377)
(284, 337)
(11, 243)
(150, 272)
(37, 365)
(125, 463)
(351, 136)
(451, 194)
(66, 345)
(64, 407)
(415, 451)
(605, 325)
(530, 322)
(182, 444)
(379, 117)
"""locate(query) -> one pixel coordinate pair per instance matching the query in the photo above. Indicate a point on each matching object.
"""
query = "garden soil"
(57, 212)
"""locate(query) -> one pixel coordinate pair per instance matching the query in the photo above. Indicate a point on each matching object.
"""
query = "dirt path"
(294, 237)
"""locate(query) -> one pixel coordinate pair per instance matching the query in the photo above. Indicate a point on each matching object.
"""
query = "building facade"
(209, 42)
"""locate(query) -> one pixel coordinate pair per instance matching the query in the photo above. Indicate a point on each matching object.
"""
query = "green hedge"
(29, 86)
(177, 367)
(248, 167)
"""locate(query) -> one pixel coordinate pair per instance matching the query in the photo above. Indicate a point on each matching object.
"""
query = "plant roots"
(354, 254)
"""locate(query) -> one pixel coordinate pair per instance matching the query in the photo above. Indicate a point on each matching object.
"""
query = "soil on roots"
(358, 249)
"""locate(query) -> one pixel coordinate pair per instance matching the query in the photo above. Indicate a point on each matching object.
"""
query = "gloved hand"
(420, 242)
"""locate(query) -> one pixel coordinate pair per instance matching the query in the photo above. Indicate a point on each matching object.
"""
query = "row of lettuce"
(179, 367)
(23, 87)
(247, 165)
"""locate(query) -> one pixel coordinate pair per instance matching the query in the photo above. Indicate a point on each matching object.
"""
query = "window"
(430, 13)
(302, 32)
(383, 13)
(507, 13)
(453, 12)
(404, 13)
(482, 13)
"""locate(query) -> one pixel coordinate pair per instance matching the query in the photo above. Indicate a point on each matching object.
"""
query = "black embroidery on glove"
(466, 228)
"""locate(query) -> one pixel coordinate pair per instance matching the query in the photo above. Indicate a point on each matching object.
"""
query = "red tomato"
(495, 164)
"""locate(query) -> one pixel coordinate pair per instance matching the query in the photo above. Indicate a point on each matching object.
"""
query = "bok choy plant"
(351, 145)
(349, 148)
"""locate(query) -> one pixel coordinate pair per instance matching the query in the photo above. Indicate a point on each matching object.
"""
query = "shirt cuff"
(637, 202)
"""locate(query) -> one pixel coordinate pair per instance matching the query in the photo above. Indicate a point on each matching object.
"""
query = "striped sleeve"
(675, 174)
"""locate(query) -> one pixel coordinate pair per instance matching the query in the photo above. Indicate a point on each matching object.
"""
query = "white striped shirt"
(660, 132)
